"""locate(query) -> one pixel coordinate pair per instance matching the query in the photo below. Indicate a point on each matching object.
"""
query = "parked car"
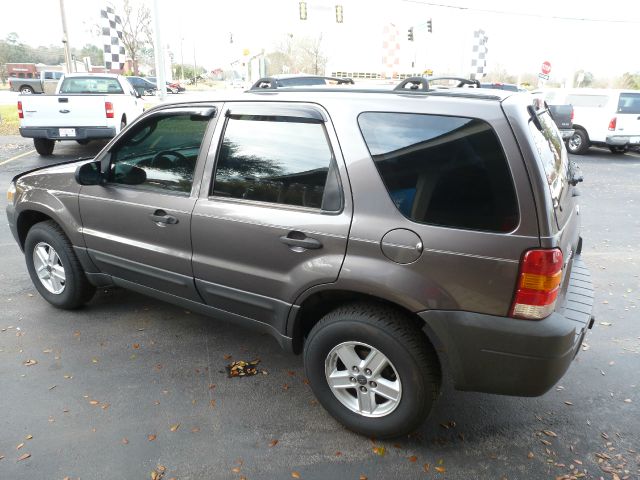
(84, 107)
(172, 87)
(302, 80)
(142, 85)
(562, 114)
(602, 117)
(45, 83)
(382, 234)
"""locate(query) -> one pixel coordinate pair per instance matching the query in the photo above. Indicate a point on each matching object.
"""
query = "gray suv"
(388, 236)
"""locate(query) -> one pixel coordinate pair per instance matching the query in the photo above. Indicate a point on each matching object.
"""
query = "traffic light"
(429, 26)
(339, 17)
(410, 34)
(303, 10)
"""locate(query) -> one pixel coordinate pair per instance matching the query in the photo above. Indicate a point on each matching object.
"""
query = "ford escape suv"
(388, 236)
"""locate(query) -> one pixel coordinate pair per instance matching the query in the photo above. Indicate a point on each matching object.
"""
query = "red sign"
(546, 67)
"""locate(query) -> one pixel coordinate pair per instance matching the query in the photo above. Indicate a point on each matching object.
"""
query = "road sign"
(546, 67)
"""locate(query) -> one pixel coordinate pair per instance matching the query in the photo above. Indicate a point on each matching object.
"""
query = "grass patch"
(9, 121)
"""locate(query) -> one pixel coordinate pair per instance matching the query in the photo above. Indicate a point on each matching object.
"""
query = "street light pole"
(65, 38)
(159, 52)
(195, 67)
(181, 61)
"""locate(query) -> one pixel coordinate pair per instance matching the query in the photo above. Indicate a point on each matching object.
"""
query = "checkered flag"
(479, 55)
(114, 54)
(390, 49)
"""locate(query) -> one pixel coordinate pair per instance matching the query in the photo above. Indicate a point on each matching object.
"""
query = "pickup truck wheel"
(618, 149)
(54, 268)
(578, 143)
(372, 369)
(44, 146)
(26, 90)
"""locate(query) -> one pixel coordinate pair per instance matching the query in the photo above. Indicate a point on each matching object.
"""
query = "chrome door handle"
(300, 240)
(160, 216)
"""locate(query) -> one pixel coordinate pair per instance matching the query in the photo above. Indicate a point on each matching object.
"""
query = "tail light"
(20, 113)
(108, 108)
(612, 123)
(538, 284)
(571, 114)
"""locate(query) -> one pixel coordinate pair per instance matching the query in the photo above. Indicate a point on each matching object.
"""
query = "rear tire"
(578, 143)
(46, 245)
(408, 371)
(44, 146)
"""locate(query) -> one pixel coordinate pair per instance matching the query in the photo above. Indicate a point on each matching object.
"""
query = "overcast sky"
(521, 35)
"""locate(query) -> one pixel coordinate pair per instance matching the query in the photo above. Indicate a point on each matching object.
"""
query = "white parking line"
(17, 157)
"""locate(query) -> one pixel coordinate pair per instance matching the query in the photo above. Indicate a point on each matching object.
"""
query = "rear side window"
(439, 170)
(629, 103)
(552, 154)
(278, 160)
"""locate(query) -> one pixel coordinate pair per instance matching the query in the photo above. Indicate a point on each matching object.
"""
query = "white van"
(602, 117)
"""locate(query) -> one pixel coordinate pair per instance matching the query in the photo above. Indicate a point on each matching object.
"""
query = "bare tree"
(137, 35)
(298, 55)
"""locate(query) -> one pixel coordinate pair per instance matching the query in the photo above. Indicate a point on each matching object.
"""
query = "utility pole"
(159, 52)
(195, 66)
(181, 61)
(65, 38)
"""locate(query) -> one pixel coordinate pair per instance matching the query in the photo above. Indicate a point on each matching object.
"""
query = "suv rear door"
(273, 217)
(628, 115)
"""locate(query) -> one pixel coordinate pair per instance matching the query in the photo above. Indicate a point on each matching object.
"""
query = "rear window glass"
(439, 170)
(581, 100)
(629, 103)
(552, 153)
(98, 85)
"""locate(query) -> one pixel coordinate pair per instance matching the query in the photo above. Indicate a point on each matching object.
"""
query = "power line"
(521, 14)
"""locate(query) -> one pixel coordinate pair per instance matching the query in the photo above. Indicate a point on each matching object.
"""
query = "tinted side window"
(629, 103)
(275, 159)
(165, 147)
(552, 153)
(447, 171)
(98, 85)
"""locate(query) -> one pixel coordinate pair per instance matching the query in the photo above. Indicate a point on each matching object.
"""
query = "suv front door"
(273, 215)
(137, 226)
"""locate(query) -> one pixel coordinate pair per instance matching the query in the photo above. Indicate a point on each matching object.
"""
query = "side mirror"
(89, 174)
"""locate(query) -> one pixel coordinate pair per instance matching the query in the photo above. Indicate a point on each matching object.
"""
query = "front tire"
(578, 143)
(372, 369)
(26, 90)
(54, 268)
(44, 146)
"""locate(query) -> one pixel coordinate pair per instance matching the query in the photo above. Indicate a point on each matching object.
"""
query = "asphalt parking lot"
(129, 386)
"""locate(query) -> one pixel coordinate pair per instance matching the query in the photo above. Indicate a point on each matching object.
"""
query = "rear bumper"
(623, 140)
(502, 355)
(567, 133)
(82, 133)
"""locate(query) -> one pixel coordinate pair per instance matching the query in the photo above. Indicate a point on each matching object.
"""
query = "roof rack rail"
(423, 83)
(272, 82)
(462, 81)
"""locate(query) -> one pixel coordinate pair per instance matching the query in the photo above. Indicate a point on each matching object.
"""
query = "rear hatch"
(628, 115)
(64, 111)
(560, 173)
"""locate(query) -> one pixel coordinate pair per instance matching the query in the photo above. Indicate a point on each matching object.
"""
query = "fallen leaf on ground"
(530, 455)
(94, 360)
(605, 324)
(136, 346)
(338, 454)
(285, 386)
(24, 456)
(125, 441)
(441, 469)
(235, 469)
(273, 443)
(174, 427)
(413, 458)
(29, 437)
(20, 446)
(295, 474)
(195, 429)
(567, 402)
(228, 357)
(240, 368)
(30, 362)
(379, 450)
(212, 403)
(47, 350)
(94, 402)
(362, 477)
(52, 387)
(549, 433)
(426, 467)
(627, 400)
(151, 437)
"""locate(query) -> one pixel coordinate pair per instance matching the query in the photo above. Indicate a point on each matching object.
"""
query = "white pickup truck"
(85, 107)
